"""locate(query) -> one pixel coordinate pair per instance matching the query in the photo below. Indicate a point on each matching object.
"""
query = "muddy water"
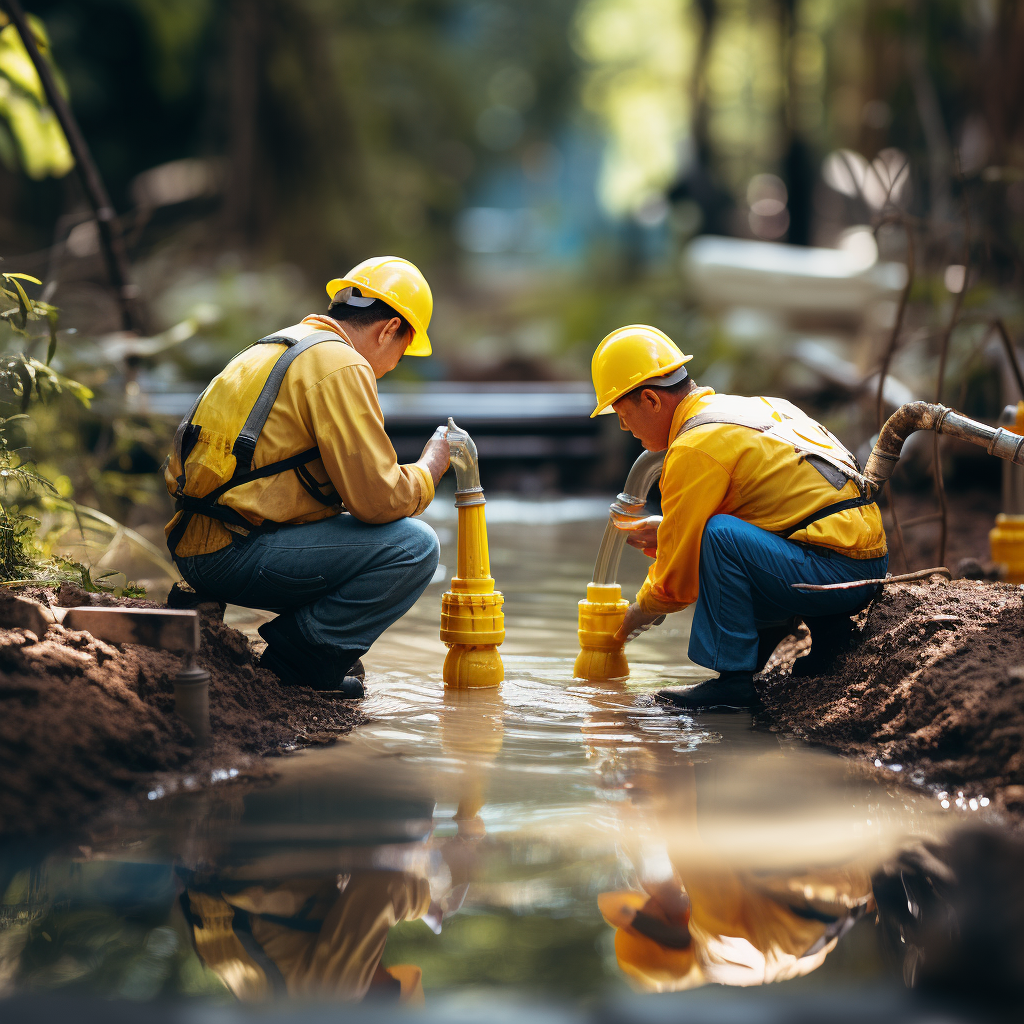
(479, 837)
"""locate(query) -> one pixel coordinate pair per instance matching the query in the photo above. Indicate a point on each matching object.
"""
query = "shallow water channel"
(478, 837)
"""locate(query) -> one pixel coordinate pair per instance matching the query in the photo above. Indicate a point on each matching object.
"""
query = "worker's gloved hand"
(636, 622)
(436, 454)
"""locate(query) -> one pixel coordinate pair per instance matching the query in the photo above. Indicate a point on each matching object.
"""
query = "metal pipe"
(466, 463)
(928, 416)
(629, 504)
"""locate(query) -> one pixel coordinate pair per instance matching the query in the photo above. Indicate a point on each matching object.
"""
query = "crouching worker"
(288, 493)
(756, 496)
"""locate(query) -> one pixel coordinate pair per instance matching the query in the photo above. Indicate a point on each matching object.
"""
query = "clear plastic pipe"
(628, 505)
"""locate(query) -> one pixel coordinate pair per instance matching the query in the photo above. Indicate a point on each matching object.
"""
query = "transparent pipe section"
(466, 463)
(628, 505)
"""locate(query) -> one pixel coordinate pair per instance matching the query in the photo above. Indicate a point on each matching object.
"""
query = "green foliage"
(32, 137)
(25, 556)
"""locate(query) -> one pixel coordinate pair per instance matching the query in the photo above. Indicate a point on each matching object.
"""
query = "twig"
(1004, 335)
(106, 219)
(909, 577)
(940, 484)
(884, 371)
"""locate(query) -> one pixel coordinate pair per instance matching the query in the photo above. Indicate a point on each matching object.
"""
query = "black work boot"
(731, 691)
(331, 671)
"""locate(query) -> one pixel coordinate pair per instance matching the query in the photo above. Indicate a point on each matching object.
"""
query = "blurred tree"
(32, 138)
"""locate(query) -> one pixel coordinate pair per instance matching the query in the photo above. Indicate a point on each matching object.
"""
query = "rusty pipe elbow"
(1004, 444)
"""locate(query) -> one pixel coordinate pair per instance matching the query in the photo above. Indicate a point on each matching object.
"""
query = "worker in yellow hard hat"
(742, 928)
(756, 497)
(288, 494)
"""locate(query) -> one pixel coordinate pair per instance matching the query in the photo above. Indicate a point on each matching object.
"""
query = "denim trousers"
(746, 577)
(341, 580)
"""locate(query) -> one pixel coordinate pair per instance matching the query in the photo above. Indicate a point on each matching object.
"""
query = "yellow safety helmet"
(398, 283)
(649, 965)
(630, 357)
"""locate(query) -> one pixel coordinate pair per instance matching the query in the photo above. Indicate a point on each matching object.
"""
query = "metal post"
(106, 219)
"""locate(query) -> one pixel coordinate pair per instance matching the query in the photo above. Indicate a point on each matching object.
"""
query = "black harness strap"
(245, 444)
(244, 449)
(828, 510)
(242, 927)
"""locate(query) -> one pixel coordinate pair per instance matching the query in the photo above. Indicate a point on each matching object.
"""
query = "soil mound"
(83, 722)
(934, 683)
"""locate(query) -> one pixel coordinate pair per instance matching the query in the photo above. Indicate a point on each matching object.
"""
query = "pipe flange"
(470, 496)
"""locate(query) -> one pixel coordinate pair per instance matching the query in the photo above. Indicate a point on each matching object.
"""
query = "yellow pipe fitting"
(1006, 540)
(472, 622)
(601, 657)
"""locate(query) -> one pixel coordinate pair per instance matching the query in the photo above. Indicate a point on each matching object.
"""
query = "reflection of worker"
(756, 496)
(312, 937)
(732, 928)
(273, 451)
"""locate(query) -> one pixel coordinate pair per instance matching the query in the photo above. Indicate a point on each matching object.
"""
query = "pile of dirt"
(83, 722)
(934, 682)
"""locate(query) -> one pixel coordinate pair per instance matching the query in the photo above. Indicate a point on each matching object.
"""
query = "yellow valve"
(472, 622)
(1006, 540)
(601, 657)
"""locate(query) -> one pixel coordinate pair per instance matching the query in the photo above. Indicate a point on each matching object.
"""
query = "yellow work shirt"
(725, 469)
(328, 400)
(322, 939)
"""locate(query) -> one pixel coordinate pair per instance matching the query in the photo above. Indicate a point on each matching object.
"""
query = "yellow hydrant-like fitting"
(601, 614)
(1006, 538)
(472, 622)
(601, 656)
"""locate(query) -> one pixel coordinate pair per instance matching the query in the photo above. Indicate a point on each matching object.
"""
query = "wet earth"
(551, 839)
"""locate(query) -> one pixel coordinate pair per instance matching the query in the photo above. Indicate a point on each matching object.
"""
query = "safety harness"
(244, 448)
(788, 424)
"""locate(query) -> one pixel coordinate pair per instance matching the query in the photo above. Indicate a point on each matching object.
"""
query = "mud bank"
(84, 723)
(933, 684)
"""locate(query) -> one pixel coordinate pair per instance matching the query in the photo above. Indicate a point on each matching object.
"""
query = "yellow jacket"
(311, 936)
(328, 400)
(726, 469)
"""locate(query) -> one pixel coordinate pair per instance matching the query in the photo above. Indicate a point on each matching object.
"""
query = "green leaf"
(23, 300)
(24, 277)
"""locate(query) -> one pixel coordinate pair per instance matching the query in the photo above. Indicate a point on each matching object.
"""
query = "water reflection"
(489, 838)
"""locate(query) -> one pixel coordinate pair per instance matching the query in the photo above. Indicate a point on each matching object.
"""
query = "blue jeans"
(745, 585)
(342, 581)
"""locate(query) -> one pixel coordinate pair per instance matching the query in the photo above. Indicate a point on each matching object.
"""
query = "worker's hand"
(645, 539)
(636, 622)
(436, 455)
(641, 533)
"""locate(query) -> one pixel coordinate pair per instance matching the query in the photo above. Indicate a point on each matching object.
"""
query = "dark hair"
(676, 390)
(365, 316)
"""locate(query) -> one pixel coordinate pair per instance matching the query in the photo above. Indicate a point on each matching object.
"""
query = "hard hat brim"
(656, 380)
(420, 344)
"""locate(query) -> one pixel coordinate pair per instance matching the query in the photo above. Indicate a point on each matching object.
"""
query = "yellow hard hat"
(649, 965)
(410, 979)
(627, 358)
(398, 283)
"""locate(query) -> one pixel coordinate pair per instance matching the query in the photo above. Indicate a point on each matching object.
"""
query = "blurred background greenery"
(555, 168)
